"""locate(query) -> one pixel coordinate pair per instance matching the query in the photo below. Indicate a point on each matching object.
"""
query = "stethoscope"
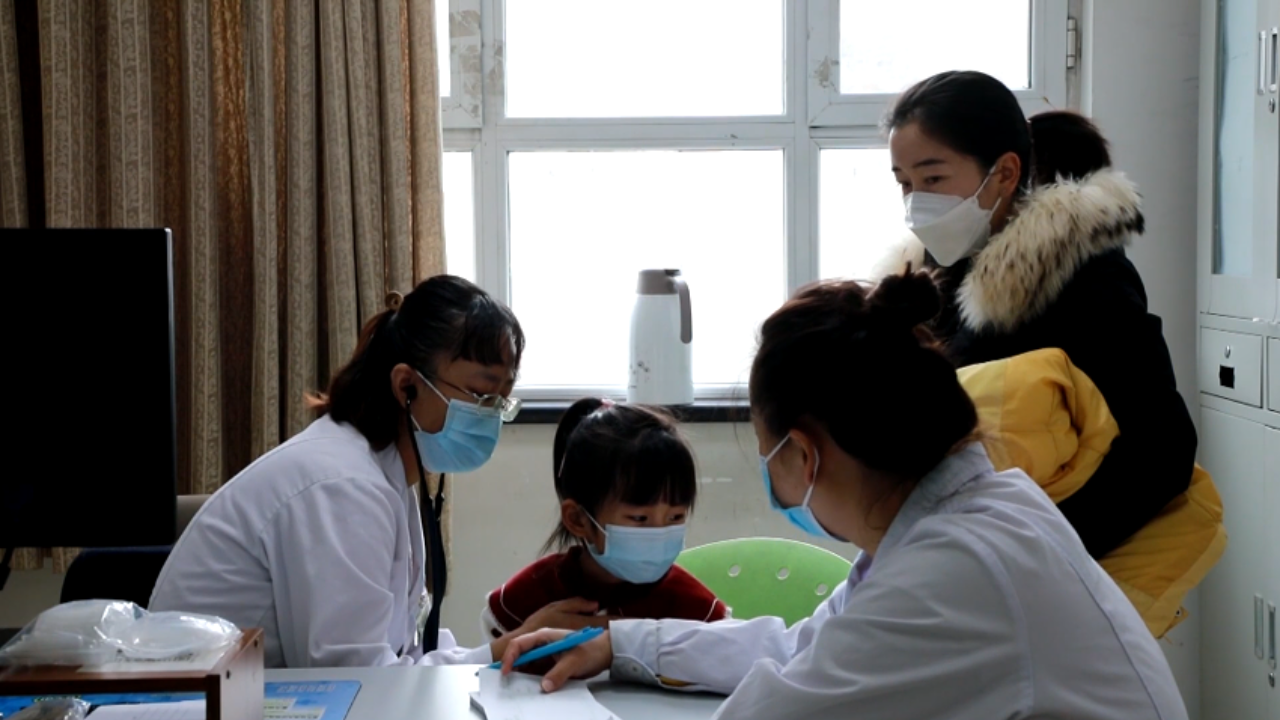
(431, 510)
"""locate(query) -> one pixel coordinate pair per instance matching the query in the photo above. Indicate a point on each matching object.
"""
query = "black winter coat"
(1057, 277)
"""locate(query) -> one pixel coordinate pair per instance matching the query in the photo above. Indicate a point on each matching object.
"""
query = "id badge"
(424, 609)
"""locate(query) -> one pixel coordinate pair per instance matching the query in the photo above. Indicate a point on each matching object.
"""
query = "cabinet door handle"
(1259, 628)
(1262, 62)
(1271, 642)
(1275, 62)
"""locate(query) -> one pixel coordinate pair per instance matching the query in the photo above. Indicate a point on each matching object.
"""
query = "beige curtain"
(294, 149)
(13, 175)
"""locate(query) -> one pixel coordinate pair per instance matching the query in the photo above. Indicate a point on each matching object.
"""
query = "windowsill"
(548, 412)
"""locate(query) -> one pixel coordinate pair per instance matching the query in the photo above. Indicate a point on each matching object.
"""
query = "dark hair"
(630, 453)
(445, 318)
(977, 115)
(857, 361)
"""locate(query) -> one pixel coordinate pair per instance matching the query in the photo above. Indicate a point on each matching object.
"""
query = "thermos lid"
(658, 282)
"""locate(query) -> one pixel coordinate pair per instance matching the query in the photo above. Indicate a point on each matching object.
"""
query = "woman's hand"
(584, 661)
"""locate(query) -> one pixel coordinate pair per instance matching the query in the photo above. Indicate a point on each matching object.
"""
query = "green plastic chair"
(767, 576)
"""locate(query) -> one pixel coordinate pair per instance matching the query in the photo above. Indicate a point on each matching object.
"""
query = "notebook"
(520, 697)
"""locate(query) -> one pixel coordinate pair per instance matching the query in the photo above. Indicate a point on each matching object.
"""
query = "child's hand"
(584, 661)
(571, 614)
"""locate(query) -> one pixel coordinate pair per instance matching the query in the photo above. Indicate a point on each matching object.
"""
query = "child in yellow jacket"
(1040, 413)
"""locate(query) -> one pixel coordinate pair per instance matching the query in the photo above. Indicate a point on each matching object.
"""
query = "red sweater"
(677, 595)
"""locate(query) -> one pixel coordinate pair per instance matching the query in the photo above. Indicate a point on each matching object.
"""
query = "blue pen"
(567, 642)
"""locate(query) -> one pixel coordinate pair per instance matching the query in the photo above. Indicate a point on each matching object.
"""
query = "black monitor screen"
(90, 450)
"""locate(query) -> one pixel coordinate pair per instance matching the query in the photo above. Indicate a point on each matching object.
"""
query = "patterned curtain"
(293, 148)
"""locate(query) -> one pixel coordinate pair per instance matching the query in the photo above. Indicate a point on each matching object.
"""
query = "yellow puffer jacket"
(1040, 413)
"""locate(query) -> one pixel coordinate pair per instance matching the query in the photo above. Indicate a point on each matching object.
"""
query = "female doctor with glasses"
(323, 542)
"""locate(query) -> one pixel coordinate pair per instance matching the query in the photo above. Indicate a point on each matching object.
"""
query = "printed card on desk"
(327, 700)
(520, 697)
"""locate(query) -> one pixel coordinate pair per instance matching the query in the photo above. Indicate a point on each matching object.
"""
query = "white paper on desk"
(185, 710)
(520, 697)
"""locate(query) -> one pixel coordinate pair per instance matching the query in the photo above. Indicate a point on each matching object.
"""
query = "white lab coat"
(320, 544)
(981, 602)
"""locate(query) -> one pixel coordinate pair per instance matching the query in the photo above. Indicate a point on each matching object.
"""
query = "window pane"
(442, 46)
(459, 216)
(583, 224)
(644, 58)
(885, 47)
(860, 212)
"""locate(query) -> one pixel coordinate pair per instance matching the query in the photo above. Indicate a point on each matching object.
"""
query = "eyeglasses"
(493, 404)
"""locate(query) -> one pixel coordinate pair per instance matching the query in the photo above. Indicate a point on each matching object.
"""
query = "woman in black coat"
(1025, 224)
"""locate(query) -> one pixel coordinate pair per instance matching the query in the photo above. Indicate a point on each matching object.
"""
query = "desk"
(441, 693)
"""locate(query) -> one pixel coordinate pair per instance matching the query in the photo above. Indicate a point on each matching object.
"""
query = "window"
(459, 214)
(593, 59)
(861, 53)
(860, 212)
(582, 224)
(736, 140)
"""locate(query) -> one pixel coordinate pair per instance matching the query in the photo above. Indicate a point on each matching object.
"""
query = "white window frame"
(464, 106)
(844, 122)
(829, 107)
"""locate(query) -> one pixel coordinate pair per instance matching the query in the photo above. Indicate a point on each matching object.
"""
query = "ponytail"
(569, 422)
(1066, 146)
(360, 392)
(561, 538)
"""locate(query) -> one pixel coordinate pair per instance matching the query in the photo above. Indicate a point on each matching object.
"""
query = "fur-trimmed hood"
(1024, 267)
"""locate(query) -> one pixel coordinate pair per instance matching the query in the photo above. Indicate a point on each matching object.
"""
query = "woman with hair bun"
(972, 597)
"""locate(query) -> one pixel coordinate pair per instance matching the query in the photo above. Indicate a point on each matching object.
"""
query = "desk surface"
(441, 693)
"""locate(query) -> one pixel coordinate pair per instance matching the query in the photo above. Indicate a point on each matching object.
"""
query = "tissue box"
(232, 683)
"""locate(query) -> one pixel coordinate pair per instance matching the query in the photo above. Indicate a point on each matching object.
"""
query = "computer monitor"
(89, 368)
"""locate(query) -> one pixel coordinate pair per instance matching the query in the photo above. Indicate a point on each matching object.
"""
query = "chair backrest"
(114, 574)
(767, 576)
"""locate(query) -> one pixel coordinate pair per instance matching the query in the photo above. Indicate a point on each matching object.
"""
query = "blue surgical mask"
(801, 515)
(639, 555)
(466, 441)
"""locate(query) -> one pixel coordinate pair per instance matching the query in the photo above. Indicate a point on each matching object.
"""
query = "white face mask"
(951, 227)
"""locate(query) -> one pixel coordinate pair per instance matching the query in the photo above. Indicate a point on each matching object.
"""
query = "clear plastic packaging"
(55, 709)
(73, 633)
(96, 632)
(164, 635)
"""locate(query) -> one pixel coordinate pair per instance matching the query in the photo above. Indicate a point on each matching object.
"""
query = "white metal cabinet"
(1240, 159)
(1273, 374)
(1234, 677)
(1271, 517)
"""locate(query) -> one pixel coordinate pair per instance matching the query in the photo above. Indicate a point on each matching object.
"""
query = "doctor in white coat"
(320, 541)
(972, 597)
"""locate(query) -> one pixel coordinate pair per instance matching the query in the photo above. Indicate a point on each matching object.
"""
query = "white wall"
(1142, 85)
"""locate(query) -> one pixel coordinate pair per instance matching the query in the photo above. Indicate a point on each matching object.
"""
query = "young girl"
(626, 482)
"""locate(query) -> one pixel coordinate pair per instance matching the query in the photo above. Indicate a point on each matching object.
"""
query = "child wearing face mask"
(626, 481)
